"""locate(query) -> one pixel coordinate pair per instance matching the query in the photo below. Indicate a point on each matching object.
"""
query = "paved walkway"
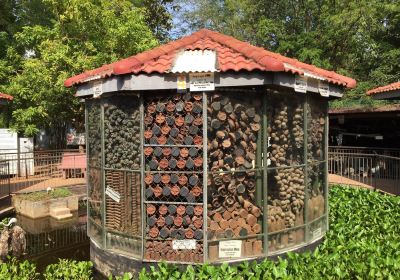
(336, 179)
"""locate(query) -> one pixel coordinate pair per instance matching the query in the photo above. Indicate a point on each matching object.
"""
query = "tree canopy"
(81, 35)
(356, 38)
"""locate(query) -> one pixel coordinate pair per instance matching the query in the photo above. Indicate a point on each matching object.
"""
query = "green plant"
(21, 270)
(44, 195)
(69, 270)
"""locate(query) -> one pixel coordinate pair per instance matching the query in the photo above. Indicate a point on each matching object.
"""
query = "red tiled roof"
(232, 55)
(6, 96)
(389, 87)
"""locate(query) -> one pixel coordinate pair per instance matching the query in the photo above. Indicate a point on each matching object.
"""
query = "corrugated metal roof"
(195, 61)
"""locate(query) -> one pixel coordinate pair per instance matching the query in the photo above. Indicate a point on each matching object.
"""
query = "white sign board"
(113, 194)
(201, 81)
(317, 233)
(323, 88)
(187, 244)
(300, 84)
(230, 249)
(97, 88)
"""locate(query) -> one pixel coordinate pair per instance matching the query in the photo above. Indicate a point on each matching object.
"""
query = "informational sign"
(113, 194)
(97, 88)
(181, 83)
(230, 249)
(323, 88)
(186, 244)
(317, 233)
(300, 84)
(201, 81)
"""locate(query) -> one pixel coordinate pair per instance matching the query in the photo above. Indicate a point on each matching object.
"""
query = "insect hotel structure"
(205, 150)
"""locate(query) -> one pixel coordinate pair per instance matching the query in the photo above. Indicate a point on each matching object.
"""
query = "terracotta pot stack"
(174, 173)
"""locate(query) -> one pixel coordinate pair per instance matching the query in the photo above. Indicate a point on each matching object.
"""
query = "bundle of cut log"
(123, 216)
(94, 133)
(184, 187)
(233, 131)
(174, 162)
(122, 133)
(316, 113)
(163, 250)
(285, 185)
(173, 222)
(175, 120)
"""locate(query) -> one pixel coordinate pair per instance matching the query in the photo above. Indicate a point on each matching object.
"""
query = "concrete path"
(336, 179)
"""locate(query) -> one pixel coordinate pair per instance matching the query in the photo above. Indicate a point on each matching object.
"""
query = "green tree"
(359, 38)
(83, 35)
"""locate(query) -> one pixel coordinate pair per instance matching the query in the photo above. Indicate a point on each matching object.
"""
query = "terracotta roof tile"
(6, 96)
(232, 55)
(389, 87)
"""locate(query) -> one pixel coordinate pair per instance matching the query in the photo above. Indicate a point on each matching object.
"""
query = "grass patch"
(44, 195)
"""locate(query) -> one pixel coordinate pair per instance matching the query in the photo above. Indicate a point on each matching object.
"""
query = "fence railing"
(365, 150)
(380, 171)
(42, 169)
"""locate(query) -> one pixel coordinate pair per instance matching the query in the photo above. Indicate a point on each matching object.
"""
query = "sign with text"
(97, 88)
(113, 194)
(300, 84)
(187, 244)
(317, 233)
(201, 81)
(230, 249)
(323, 88)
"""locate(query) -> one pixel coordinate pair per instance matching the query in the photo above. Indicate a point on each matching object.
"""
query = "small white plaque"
(230, 249)
(317, 233)
(97, 88)
(201, 81)
(186, 244)
(113, 194)
(323, 88)
(300, 84)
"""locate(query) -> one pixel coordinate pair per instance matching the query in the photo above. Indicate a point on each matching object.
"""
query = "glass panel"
(316, 191)
(285, 239)
(285, 205)
(285, 129)
(95, 186)
(234, 183)
(173, 180)
(123, 215)
(317, 228)
(123, 192)
(317, 108)
(122, 133)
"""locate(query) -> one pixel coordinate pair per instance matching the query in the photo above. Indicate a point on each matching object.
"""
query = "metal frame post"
(87, 167)
(205, 178)
(142, 166)
(305, 128)
(326, 139)
(103, 175)
(264, 132)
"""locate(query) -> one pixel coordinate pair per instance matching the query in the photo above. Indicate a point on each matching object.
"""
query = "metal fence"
(45, 242)
(41, 169)
(382, 172)
(365, 150)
